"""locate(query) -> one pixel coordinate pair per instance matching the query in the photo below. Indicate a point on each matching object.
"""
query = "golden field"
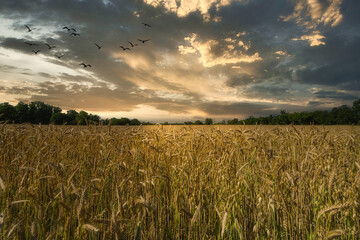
(176, 182)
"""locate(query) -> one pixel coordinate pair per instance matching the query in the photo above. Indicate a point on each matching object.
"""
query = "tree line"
(343, 115)
(40, 112)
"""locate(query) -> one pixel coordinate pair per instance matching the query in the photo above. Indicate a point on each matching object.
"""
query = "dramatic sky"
(205, 58)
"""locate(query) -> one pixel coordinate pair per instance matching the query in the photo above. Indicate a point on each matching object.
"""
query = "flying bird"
(85, 65)
(98, 46)
(29, 29)
(69, 29)
(31, 44)
(124, 48)
(133, 44)
(50, 47)
(145, 24)
(59, 56)
(74, 34)
(144, 41)
(36, 52)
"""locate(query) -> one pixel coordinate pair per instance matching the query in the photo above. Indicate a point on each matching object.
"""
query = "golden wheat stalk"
(195, 216)
(90, 227)
(336, 207)
(2, 183)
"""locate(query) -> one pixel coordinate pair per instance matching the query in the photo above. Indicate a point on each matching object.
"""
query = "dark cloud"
(224, 108)
(334, 64)
(18, 44)
(336, 95)
(239, 80)
(270, 92)
(6, 68)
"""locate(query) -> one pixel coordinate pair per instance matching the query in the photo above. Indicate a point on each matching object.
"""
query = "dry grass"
(100, 182)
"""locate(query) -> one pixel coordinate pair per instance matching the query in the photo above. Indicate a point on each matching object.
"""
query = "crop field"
(176, 182)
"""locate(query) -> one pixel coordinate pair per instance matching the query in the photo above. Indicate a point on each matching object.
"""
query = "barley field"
(176, 182)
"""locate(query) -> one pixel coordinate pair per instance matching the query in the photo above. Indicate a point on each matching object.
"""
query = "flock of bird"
(74, 33)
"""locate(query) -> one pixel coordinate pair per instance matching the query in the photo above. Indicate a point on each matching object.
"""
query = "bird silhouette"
(133, 44)
(59, 56)
(124, 48)
(36, 52)
(29, 29)
(69, 29)
(98, 46)
(144, 41)
(85, 65)
(50, 47)
(74, 34)
(145, 24)
(31, 44)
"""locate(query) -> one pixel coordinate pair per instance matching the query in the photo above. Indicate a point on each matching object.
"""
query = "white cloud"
(184, 7)
(315, 38)
(312, 13)
(207, 57)
(283, 53)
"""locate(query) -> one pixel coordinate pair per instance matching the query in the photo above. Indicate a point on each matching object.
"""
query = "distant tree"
(121, 121)
(7, 112)
(105, 121)
(188, 123)
(198, 122)
(82, 118)
(94, 118)
(71, 117)
(233, 121)
(41, 112)
(135, 122)
(22, 110)
(58, 118)
(114, 121)
(343, 115)
(356, 110)
(124, 121)
(208, 121)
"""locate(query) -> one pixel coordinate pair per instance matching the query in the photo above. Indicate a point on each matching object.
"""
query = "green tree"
(233, 121)
(208, 121)
(82, 118)
(198, 122)
(94, 118)
(71, 117)
(343, 115)
(7, 112)
(22, 110)
(356, 110)
(135, 122)
(41, 112)
(58, 118)
(121, 121)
